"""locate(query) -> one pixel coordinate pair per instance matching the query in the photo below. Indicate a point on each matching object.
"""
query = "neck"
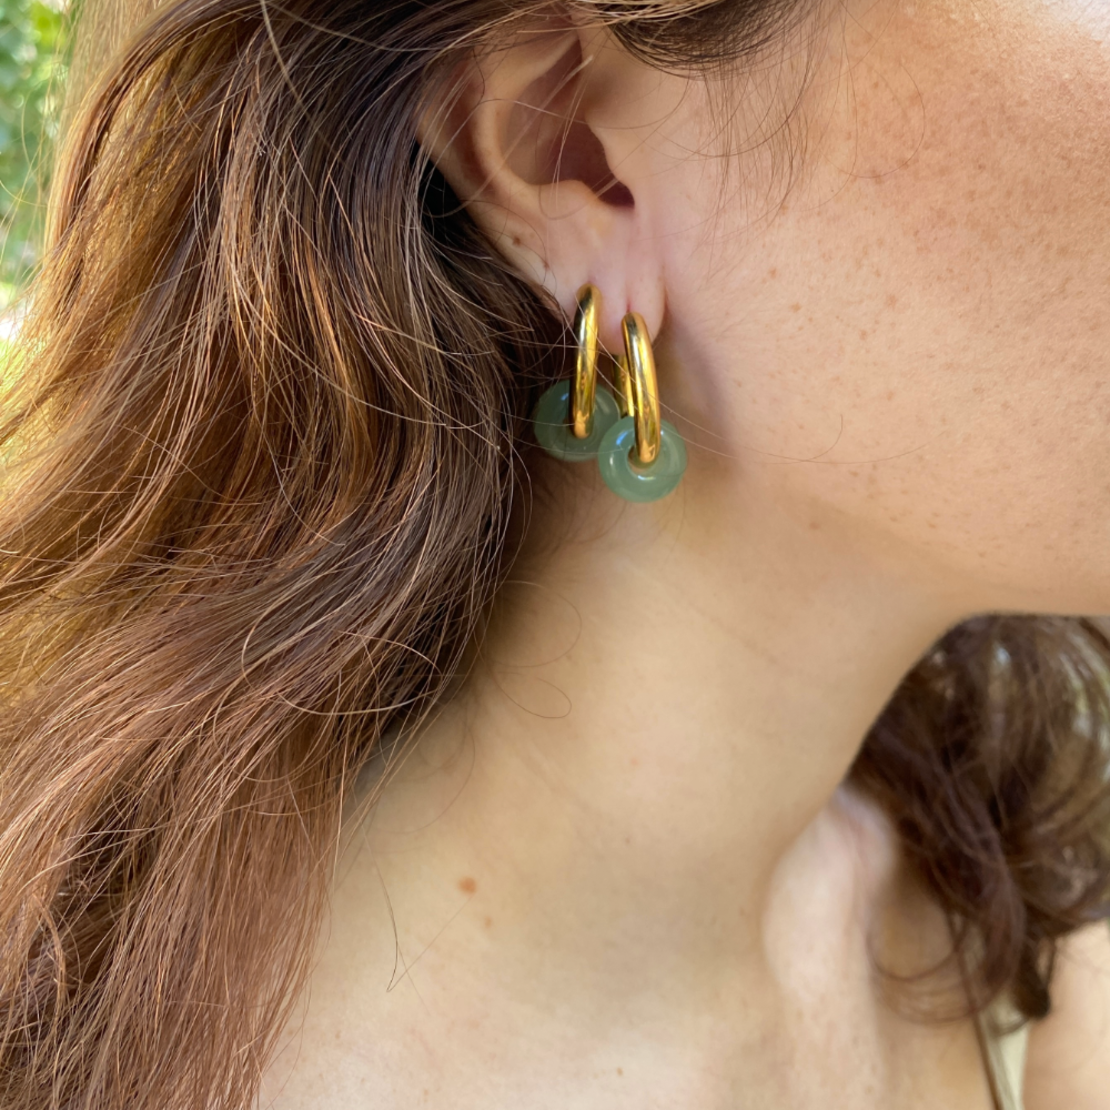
(667, 696)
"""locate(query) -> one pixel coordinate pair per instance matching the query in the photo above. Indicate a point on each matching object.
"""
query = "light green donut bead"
(648, 483)
(552, 426)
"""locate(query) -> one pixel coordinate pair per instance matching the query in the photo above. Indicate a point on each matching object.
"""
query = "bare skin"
(621, 867)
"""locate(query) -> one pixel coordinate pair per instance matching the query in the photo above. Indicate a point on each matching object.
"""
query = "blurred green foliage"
(32, 67)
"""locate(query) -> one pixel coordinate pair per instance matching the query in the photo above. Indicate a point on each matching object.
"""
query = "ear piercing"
(641, 456)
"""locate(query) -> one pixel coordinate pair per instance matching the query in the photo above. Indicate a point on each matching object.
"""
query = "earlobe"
(513, 136)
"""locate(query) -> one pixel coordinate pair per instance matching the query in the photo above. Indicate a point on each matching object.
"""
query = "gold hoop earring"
(572, 417)
(642, 456)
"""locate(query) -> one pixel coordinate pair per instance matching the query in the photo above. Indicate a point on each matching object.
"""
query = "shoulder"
(832, 889)
(1068, 1062)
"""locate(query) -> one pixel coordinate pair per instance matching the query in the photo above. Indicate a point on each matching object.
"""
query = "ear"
(536, 139)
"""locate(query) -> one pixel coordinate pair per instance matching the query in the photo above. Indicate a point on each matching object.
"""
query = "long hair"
(263, 454)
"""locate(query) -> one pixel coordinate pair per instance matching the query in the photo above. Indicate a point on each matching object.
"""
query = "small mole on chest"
(467, 885)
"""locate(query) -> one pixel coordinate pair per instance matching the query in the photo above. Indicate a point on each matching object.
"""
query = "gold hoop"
(639, 392)
(586, 316)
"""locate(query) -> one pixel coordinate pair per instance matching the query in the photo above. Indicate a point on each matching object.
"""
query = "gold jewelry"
(572, 417)
(642, 456)
(585, 361)
(639, 387)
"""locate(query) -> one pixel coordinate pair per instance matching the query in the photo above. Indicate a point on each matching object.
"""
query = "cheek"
(1091, 17)
(929, 320)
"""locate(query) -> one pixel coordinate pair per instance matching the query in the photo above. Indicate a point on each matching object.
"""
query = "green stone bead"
(636, 483)
(551, 423)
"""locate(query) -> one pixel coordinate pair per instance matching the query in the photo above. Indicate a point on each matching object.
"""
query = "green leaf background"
(32, 70)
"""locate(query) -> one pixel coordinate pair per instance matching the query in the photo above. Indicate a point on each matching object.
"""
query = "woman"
(359, 751)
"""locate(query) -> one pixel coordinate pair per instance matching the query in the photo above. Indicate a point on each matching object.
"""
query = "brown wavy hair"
(265, 447)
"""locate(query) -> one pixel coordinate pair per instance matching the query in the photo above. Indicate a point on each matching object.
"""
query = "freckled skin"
(949, 242)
